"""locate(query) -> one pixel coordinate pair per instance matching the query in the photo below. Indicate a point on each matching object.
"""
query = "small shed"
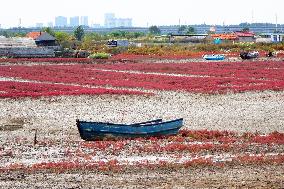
(245, 36)
(187, 38)
(42, 38)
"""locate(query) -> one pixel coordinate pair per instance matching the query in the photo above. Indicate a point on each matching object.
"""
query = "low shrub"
(99, 55)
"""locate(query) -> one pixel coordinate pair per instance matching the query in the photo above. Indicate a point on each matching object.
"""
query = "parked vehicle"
(214, 57)
(104, 130)
(249, 55)
(118, 43)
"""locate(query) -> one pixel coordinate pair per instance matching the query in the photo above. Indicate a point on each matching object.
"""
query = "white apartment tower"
(84, 21)
(111, 21)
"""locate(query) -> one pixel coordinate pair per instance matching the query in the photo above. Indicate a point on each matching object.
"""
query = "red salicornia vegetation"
(219, 77)
(13, 89)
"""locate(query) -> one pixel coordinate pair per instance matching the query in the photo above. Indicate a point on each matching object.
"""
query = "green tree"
(19, 34)
(8, 34)
(5, 34)
(154, 30)
(246, 29)
(115, 34)
(190, 30)
(79, 33)
(64, 39)
(48, 30)
(91, 40)
(133, 35)
(138, 34)
(181, 29)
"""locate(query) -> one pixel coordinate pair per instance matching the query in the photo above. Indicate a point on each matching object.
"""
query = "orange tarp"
(225, 36)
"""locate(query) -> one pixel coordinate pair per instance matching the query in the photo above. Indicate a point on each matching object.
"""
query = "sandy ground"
(54, 118)
(244, 112)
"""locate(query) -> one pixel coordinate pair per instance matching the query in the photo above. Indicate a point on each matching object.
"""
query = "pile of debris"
(23, 47)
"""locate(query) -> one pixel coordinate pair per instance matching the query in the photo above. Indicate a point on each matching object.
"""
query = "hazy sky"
(143, 12)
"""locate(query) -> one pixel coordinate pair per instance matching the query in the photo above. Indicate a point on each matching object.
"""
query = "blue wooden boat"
(214, 57)
(103, 130)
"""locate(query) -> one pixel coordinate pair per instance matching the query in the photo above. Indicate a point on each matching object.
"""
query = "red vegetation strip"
(272, 138)
(246, 70)
(219, 77)
(12, 89)
(231, 137)
(113, 165)
(51, 60)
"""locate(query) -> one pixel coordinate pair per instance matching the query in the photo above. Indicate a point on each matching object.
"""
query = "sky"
(143, 12)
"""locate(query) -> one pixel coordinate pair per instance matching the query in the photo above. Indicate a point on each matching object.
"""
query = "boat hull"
(214, 57)
(98, 131)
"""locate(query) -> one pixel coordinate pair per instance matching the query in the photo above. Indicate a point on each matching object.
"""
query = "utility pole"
(276, 26)
(20, 22)
(19, 26)
(252, 18)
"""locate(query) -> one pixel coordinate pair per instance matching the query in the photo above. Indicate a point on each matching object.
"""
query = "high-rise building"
(123, 22)
(84, 21)
(111, 21)
(60, 21)
(74, 21)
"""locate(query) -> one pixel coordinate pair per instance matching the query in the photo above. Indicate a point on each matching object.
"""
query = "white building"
(123, 22)
(60, 21)
(111, 21)
(74, 21)
(84, 21)
(270, 38)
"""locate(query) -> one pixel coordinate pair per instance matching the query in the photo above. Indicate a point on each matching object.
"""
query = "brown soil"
(203, 177)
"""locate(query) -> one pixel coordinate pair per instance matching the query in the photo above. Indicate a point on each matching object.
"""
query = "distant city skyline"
(14, 13)
(62, 21)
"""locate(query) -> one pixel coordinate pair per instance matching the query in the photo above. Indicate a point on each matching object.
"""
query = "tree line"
(80, 39)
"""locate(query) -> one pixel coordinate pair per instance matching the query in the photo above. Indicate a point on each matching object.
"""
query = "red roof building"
(42, 38)
(244, 34)
(34, 35)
